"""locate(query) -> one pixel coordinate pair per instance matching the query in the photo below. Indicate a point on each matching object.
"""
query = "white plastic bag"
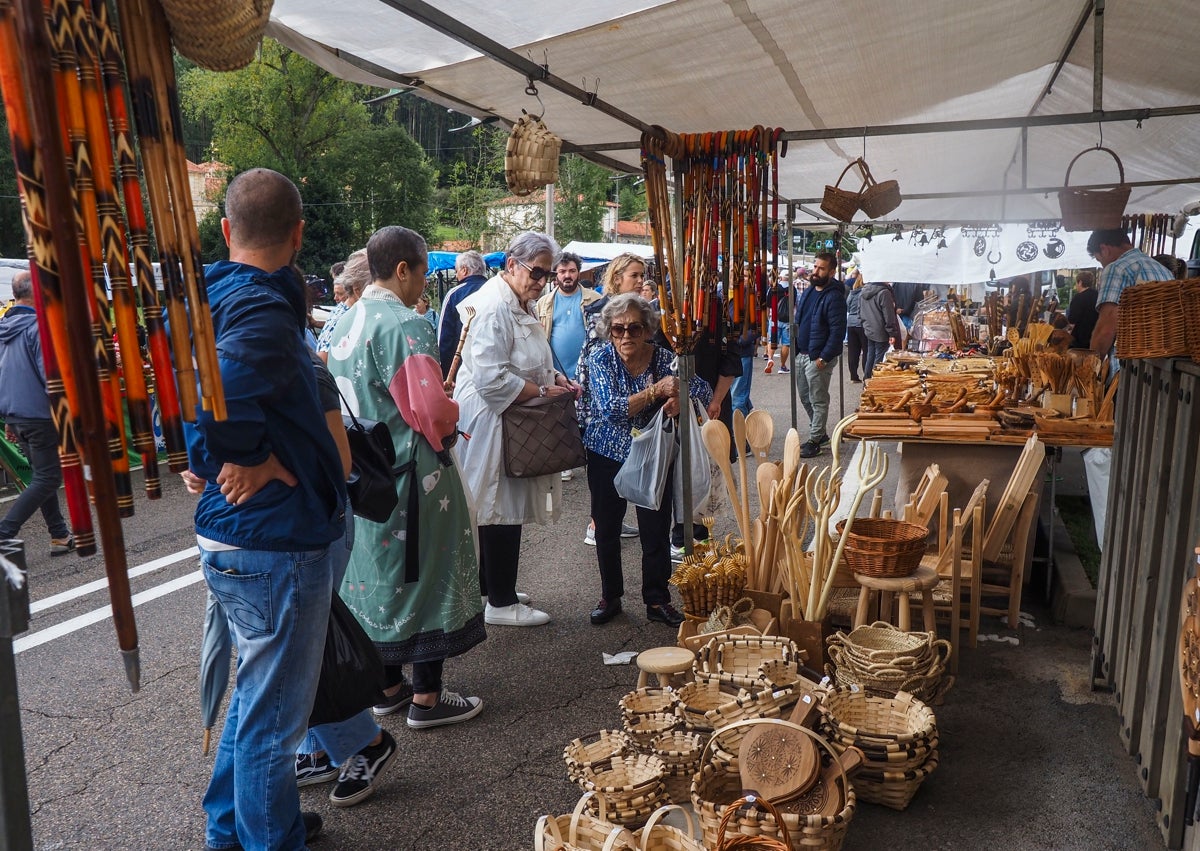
(701, 468)
(643, 477)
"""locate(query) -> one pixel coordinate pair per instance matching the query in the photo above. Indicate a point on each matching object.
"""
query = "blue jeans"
(739, 391)
(277, 605)
(875, 352)
(38, 440)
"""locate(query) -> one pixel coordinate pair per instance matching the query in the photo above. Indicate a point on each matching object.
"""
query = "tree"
(12, 229)
(470, 182)
(584, 189)
(387, 180)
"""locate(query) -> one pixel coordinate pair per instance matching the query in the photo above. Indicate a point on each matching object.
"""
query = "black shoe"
(666, 613)
(810, 449)
(356, 782)
(606, 610)
(396, 702)
(312, 826)
(822, 440)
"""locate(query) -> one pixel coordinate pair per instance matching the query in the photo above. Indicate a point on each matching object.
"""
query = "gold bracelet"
(653, 393)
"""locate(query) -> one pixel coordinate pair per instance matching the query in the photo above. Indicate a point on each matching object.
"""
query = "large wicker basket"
(879, 199)
(531, 156)
(883, 660)
(220, 35)
(1155, 320)
(582, 831)
(740, 661)
(841, 203)
(876, 546)
(1093, 209)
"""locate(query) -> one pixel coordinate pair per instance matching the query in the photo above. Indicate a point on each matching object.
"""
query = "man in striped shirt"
(1123, 266)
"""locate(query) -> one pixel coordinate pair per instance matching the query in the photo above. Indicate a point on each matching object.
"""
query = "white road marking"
(75, 624)
(101, 584)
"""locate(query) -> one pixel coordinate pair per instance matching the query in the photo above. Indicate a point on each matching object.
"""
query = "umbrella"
(215, 649)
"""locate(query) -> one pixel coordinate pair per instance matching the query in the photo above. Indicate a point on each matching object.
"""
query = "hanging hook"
(532, 91)
(864, 156)
(1100, 126)
(589, 98)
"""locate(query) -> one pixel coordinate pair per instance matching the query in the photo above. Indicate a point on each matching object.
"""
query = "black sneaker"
(451, 708)
(62, 546)
(356, 782)
(823, 439)
(810, 449)
(396, 702)
(312, 826)
(312, 769)
(666, 613)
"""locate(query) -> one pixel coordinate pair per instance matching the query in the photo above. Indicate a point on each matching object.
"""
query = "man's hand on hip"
(241, 483)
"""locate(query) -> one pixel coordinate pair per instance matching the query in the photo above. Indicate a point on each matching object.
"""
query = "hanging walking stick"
(66, 295)
(456, 361)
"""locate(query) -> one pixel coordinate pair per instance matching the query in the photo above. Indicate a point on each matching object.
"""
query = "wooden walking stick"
(456, 361)
(54, 220)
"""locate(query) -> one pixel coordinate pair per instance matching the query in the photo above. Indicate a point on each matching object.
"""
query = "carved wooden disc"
(777, 763)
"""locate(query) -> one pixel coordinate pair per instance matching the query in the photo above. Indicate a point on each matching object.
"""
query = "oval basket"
(740, 661)
(879, 199)
(220, 35)
(531, 156)
(876, 546)
(648, 701)
(1093, 209)
(625, 775)
(875, 723)
(644, 729)
(594, 751)
(894, 789)
(841, 203)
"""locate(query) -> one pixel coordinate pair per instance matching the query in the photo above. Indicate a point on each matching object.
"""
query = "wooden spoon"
(791, 455)
(716, 441)
(760, 431)
(766, 473)
(739, 439)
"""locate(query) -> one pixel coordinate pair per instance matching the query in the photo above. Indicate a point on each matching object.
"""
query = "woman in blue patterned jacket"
(631, 379)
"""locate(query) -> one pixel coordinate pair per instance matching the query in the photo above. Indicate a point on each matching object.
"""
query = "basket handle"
(753, 801)
(846, 169)
(617, 833)
(539, 834)
(1120, 166)
(868, 178)
(657, 815)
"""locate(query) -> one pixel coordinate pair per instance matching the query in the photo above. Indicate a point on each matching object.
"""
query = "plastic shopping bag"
(352, 675)
(643, 477)
(701, 467)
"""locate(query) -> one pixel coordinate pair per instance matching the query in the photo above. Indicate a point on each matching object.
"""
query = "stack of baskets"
(594, 752)
(531, 156)
(897, 734)
(883, 660)
(884, 548)
(631, 787)
(644, 729)
(680, 753)
(1160, 319)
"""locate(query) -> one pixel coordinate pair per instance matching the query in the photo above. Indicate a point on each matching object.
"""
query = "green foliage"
(580, 212)
(12, 230)
(387, 181)
(631, 198)
(212, 241)
(468, 183)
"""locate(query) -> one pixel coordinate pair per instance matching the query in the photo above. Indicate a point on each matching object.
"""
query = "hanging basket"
(219, 35)
(841, 203)
(878, 199)
(531, 156)
(1093, 209)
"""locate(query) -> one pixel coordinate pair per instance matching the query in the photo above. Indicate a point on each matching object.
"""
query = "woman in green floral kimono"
(413, 581)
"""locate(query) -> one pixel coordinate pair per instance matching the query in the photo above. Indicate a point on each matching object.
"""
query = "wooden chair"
(926, 496)
(900, 588)
(957, 563)
(1006, 544)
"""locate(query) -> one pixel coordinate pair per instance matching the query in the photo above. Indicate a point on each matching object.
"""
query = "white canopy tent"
(887, 69)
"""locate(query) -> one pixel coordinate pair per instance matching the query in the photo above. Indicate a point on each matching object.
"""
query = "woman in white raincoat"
(507, 359)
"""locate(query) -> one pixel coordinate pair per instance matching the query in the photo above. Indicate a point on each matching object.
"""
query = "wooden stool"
(923, 581)
(665, 662)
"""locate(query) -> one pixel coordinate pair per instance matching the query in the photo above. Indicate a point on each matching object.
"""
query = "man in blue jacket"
(820, 330)
(469, 268)
(272, 505)
(25, 409)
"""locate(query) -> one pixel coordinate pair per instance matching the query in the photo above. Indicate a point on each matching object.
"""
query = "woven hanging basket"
(1093, 209)
(220, 35)
(841, 203)
(531, 156)
(878, 199)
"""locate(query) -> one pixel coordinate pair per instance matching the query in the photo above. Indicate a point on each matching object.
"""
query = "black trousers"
(608, 510)
(499, 558)
(426, 676)
(856, 351)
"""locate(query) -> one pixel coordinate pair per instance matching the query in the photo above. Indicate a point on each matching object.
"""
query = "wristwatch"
(542, 390)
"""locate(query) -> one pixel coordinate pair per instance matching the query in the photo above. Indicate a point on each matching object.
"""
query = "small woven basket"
(644, 729)
(626, 776)
(840, 203)
(648, 701)
(876, 546)
(1093, 209)
(582, 830)
(740, 661)
(878, 199)
(1154, 318)
(531, 156)
(877, 724)
(220, 35)
(594, 752)
(894, 789)
(656, 836)
(697, 699)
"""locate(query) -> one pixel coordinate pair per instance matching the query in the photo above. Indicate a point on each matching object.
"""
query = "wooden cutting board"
(778, 763)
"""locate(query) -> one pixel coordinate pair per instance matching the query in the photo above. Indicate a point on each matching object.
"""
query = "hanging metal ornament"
(998, 254)
(980, 246)
(1055, 248)
(1027, 251)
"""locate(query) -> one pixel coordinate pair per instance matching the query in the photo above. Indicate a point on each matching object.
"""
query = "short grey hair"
(356, 273)
(528, 245)
(619, 305)
(22, 286)
(470, 262)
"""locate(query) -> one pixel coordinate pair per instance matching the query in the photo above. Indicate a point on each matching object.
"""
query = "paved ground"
(1029, 756)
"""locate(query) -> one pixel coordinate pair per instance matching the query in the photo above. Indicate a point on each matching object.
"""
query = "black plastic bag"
(352, 675)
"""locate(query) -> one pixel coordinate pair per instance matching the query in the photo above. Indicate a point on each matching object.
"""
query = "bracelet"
(653, 392)
(542, 390)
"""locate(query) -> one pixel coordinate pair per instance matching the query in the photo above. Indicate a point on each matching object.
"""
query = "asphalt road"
(1029, 757)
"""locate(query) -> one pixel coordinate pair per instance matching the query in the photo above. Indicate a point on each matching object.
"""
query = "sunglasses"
(634, 329)
(535, 272)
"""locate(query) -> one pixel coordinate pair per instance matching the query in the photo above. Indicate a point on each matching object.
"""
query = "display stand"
(15, 828)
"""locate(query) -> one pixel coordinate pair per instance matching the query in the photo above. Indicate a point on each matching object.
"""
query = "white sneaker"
(628, 531)
(518, 614)
(567, 475)
(589, 536)
(521, 598)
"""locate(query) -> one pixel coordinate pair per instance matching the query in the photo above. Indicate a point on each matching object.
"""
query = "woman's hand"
(558, 390)
(671, 407)
(667, 388)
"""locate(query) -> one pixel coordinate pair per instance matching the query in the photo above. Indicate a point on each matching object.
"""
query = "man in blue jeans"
(272, 505)
(25, 409)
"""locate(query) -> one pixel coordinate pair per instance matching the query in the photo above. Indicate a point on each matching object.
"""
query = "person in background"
(469, 269)
(1081, 310)
(856, 337)
(25, 409)
(425, 312)
(650, 292)
(561, 313)
(820, 330)
(877, 309)
(632, 379)
(353, 280)
(1172, 264)
(1123, 266)
(507, 360)
(339, 291)
(779, 307)
(743, 343)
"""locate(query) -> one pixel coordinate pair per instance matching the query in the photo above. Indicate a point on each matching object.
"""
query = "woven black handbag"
(541, 436)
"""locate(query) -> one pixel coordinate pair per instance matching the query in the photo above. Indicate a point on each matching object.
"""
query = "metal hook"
(1100, 125)
(589, 97)
(532, 91)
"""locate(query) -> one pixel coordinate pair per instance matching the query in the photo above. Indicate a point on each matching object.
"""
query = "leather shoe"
(666, 613)
(605, 611)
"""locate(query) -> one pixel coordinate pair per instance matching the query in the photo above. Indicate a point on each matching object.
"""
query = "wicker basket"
(594, 752)
(758, 843)
(582, 831)
(884, 548)
(878, 199)
(740, 661)
(893, 789)
(625, 776)
(648, 701)
(531, 156)
(840, 203)
(644, 729)
(697, 699)
(220, 35)
(656, 836)
(632, 811)
(1093, 209)
(883, 660)
(1155, 322)
(877, 724)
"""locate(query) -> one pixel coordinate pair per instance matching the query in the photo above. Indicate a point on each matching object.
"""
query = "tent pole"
(687, 368)
(793, 281)
(1098, 57)
(550, 210)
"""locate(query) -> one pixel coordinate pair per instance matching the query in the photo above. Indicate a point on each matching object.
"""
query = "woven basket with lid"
(220, 35)
(531, 156)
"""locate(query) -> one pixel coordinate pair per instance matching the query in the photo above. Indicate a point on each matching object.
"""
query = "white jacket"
(505, 347)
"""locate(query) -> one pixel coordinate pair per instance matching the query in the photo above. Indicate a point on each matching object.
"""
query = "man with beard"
(820, 329)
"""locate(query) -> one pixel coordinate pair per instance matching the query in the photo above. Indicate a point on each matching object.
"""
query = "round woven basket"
(632, 810)
(648, 701)
(531, 156)
(740, 661)
(644, 729)
(876, 723)
(697, 699)
(883, 660)
(594, 752)
(876, 546)
(626, 776)
(894, 789)
(220, 35)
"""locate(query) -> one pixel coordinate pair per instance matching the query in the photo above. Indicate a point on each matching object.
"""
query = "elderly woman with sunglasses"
(507, 359)
(631, 379)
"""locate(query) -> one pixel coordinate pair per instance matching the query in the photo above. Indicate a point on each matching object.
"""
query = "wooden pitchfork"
(456, 361)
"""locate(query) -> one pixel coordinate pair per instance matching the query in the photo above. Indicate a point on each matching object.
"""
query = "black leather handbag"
(372, 482)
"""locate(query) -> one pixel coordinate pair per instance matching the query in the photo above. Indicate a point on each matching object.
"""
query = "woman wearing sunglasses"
(631, 379)
(507, 359)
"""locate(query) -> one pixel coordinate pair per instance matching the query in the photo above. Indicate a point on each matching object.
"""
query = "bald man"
(273, 504)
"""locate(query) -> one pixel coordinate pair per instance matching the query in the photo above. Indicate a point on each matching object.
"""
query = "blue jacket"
(271, 398)
(22, 373)
(821, 322)
(451, 327)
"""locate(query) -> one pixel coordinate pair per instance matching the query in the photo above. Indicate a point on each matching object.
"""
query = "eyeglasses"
(535, 272)
(634, 329)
